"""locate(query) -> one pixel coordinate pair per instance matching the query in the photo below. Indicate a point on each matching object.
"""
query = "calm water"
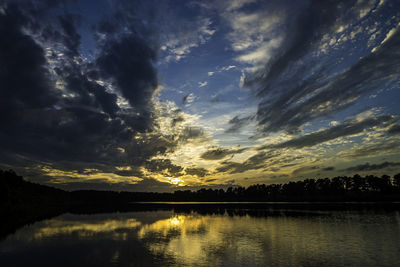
(225, 238)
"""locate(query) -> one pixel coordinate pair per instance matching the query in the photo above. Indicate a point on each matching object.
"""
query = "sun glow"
(176, 181)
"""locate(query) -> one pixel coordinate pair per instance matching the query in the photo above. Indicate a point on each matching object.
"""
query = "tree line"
(15, 191)
(341, 188)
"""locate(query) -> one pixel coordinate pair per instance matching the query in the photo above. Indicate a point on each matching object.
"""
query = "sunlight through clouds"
(150, 94)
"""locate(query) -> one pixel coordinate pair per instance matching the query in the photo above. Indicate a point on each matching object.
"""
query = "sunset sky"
(166, 95)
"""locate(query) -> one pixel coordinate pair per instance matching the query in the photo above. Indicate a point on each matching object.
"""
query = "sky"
(167, 95)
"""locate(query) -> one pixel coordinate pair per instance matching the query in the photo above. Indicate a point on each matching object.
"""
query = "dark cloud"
(58, 108)
(328, 168)
(185, 98)
(71, 38)
(164, 166)
(26, 89)
(192, 133)
(177, 117)
(394, 129)
(282, 162)
(134, 171)
(347, 128)
(220, 153)
(270, 160)
(303, 170)
(292, 95)
(200, 172)
(87, 93)
(236, 123)
(128, 63)
(374, 149)
(24, 76)
(372, 167)
(258, 161)
(307, 27)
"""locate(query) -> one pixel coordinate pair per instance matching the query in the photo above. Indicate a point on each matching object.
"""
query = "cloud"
(297, 84)
(192, 133)
(349, 127)
(227, 68)
(236, 123)
(260, 55)
(394, 129)
(254, 35)
(308, 25)
(200, 172)
(71, 114)
(178, 118)
(180, 36)
(90, 105)
(188, 99)
(24, 77)
(220, 153)
(388, 36)
(385, 147)
(202, 84)
(71, 38)
(129, 62)
(164, 166)
(255, 162)
(304, 170)
(372, 167)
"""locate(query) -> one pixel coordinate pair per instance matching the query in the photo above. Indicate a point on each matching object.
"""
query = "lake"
(210, 236)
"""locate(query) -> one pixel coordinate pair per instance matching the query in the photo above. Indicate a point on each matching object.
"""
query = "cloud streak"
(372, 167)
(347, 128)
(220, 153)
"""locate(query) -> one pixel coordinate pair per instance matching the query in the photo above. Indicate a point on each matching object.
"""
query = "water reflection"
(58, 227)
(168, 238)
(202, 240)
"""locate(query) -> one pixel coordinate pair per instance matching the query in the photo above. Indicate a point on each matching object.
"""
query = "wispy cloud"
(372, 167)
(295, 89)
(226, 68)
(178, 42)
(188, 99)
(202, 84)
(347, 128)
(220, 153)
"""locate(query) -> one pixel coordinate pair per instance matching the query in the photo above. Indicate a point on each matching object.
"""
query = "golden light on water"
(192, 239)
(82, 229)
(177, 220)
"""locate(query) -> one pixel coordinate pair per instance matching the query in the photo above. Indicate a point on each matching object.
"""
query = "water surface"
(218, 237)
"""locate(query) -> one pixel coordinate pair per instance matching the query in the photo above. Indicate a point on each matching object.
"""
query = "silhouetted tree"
(396, 180)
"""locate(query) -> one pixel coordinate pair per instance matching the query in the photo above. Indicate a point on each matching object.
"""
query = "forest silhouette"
(16, 192)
